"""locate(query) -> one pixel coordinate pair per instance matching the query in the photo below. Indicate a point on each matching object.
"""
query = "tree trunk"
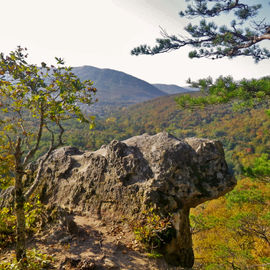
(19, 209)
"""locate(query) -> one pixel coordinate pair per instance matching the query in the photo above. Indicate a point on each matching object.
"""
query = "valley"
(241, 215)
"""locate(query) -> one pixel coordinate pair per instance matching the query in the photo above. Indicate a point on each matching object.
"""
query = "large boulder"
(124, 179)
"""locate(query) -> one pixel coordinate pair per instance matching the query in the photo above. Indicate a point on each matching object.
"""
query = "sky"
(102, 33)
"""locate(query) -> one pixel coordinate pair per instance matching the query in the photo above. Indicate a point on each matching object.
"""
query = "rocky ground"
(87, 242)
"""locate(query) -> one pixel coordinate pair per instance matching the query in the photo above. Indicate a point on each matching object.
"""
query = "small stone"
(65, 240)
(87, 265)
(110, 264)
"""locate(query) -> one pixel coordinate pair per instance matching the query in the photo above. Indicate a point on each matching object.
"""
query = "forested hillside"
(244, 133)
(233, 231)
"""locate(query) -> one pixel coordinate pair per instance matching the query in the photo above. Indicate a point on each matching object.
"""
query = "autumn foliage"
(233, 232)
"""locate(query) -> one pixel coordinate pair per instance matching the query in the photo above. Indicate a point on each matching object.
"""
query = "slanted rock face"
(122, 179)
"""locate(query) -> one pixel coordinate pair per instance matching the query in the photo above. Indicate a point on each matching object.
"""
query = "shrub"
(36, 260)
(154, 231)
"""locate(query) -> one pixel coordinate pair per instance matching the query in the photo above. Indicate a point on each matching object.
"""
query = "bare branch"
(24, 132)
(10, 143)
(60, 136)
(43, 159)
(31, 153)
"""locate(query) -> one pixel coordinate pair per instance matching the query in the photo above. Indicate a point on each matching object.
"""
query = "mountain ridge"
(119, 88)
(173, 88)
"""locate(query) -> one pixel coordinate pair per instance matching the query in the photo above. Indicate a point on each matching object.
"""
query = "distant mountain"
(173, 89)
(117, 88)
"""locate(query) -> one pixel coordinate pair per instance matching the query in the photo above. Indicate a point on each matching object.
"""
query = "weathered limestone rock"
(122, 179)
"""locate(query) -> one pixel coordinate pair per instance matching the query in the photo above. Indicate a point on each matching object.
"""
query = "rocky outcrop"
(123, 179)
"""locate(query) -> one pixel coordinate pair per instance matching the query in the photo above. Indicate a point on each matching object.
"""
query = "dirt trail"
(95, 246)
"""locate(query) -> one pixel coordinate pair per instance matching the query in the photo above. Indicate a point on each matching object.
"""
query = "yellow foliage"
(233, 232)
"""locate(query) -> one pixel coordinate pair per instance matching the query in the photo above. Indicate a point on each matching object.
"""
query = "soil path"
(95, 246)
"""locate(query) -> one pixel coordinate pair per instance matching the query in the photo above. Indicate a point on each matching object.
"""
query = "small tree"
(34, 99)
(213, 41)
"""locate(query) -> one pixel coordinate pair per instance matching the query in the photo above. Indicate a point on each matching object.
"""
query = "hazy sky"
(102, 33)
